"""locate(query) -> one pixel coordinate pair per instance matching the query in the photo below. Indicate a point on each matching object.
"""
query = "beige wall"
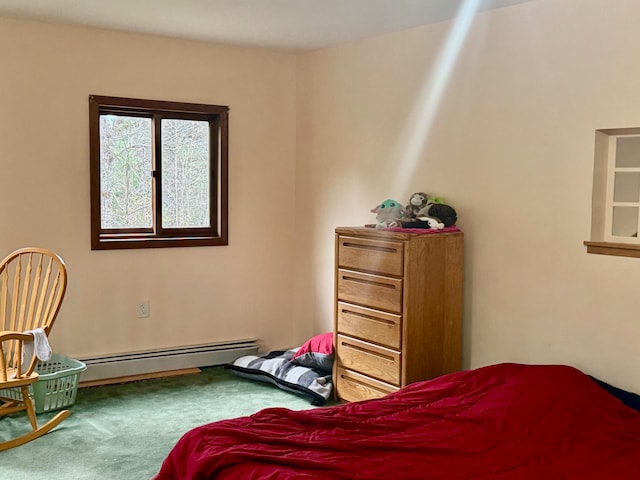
(510, 146)
(317, 140)
(196, 295)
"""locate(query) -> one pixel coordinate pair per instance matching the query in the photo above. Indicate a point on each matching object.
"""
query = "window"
(158, 173)
(615, 218)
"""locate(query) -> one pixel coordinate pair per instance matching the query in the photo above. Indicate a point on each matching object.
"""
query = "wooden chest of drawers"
(398, 309)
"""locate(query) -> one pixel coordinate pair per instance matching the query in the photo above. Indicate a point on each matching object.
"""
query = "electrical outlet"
(143, 308)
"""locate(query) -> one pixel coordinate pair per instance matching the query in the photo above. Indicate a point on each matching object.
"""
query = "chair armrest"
(11, 335)
(25, 367)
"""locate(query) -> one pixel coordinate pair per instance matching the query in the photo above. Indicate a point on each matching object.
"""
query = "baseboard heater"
(153, 361)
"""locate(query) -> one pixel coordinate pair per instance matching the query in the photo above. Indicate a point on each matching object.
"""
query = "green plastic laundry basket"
(57, 386)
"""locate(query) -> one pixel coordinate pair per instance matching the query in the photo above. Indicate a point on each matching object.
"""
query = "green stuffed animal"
(388, 214)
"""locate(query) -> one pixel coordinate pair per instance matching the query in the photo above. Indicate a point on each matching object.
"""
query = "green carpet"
(123, 432)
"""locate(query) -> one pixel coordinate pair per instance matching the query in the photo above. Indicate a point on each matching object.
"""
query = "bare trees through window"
(158, 173)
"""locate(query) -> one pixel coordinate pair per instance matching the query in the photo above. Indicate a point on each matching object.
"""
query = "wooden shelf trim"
(615, 249)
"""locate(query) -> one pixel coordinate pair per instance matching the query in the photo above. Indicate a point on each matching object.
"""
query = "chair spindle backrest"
(33, 282)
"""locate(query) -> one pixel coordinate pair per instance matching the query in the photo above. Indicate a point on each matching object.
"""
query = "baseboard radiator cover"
(163, 360)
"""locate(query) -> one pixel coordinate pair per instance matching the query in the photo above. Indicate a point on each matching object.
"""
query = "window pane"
(125, 172)
(628, 152)
(626, 187)
(185, 174)
(625, 222)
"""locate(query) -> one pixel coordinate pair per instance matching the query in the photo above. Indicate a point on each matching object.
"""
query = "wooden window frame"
(602, 241)
(157, 236)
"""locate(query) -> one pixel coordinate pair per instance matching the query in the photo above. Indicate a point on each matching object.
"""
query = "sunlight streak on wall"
(420, 121)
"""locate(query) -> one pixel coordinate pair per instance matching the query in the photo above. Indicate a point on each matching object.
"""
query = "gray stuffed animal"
(416, 203)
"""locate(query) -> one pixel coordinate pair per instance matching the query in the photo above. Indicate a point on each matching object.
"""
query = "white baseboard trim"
(150, 361)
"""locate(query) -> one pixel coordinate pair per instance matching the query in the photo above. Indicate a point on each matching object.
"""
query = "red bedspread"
(506, 421)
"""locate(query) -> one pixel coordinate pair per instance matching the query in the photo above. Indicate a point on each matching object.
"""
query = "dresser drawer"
(372, 360)
(373, 325)
(370, 290)
(372, 255)
(354, 387)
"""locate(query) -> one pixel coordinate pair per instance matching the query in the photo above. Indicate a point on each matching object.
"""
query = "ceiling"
(281, 24)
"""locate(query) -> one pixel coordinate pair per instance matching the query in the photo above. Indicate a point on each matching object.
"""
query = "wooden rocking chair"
(33, 282)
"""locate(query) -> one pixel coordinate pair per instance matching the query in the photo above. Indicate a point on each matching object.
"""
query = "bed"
(287, 372)
(305, 370)
(504, 421)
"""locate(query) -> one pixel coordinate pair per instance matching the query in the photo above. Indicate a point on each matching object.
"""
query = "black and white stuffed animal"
(422, 212)
(444, 213)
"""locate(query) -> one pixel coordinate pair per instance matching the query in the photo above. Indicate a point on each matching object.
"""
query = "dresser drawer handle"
(371, 247)
(368, 282)
(368, 317)
(369, 352)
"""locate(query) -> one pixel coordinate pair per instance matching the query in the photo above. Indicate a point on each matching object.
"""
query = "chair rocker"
(33, 282)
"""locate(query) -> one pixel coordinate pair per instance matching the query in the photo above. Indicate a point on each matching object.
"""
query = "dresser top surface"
(387, 234)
